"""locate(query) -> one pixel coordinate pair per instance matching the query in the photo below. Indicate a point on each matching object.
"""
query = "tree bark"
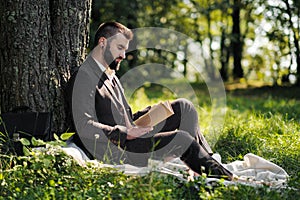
(224, 56)
(236, 43)
(42, 41)
(295, 39)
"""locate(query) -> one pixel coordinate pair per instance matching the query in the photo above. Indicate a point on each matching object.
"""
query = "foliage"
(266, 126)
(49, 174)
(268, 40)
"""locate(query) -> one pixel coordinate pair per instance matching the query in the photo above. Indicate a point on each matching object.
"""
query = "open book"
(156, 114)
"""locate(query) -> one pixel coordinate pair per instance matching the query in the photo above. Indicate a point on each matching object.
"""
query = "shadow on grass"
(233, 146)
(267, 100)
(277, 92)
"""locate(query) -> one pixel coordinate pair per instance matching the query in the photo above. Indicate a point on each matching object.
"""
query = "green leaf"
(37, 142)
(47, 162)
(26, 151)
(24, 141)
(56, 137)
(52, 183)
(66, 136)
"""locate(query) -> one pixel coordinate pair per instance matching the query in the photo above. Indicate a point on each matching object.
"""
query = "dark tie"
(116, 88)
(119, 96)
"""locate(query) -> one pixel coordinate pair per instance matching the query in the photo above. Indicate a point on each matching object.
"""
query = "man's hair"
(109, 29)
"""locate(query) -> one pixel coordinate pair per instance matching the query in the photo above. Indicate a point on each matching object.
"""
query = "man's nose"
(123, 54)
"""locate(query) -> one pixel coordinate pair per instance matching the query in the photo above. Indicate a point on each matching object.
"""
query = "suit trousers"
(178, 136)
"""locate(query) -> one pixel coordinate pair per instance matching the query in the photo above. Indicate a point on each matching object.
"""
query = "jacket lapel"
(103, 77)
(122, 95)
(109, 87)
(119, 102)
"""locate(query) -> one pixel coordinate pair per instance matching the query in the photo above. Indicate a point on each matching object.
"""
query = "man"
(104, 121)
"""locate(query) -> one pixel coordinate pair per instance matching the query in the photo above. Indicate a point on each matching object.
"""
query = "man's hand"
(137, 131)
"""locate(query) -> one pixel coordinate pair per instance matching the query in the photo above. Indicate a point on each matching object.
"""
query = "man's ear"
(102, 42)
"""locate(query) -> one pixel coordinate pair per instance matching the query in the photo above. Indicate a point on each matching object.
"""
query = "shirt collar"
(100, 65)
(110, 73)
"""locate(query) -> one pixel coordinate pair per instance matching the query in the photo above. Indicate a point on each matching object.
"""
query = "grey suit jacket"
(99, 115)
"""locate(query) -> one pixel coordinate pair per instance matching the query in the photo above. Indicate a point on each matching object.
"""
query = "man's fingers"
(137, 131)
(127, 123)
(147, 128)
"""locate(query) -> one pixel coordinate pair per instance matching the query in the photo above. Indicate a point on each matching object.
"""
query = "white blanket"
(253, 170)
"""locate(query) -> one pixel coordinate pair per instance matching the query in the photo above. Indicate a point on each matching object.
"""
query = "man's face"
(115, 51)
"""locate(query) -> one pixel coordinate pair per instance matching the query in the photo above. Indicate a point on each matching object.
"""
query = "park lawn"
(262, 121)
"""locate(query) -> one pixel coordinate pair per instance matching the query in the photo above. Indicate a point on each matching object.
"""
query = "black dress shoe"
(214, 169)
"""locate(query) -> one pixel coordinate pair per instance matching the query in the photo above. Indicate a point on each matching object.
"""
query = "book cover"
(156, 114)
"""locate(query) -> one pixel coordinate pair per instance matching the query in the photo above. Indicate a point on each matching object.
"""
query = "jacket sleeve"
(116, 134)
(140, 113)
(84, 113)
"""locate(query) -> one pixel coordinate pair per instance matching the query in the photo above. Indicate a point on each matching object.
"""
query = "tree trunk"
(224, 57)
(236, 43)
(295, 39)
(210, 68)
(42, 41)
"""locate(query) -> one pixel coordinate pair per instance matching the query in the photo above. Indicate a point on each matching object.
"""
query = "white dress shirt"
(110, 73)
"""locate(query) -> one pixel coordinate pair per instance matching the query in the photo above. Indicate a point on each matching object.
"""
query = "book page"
(156, 114)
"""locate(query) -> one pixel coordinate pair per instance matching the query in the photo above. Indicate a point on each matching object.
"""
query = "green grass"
(262, 121)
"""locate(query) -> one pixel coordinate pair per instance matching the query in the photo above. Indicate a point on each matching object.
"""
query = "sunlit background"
(251, 42)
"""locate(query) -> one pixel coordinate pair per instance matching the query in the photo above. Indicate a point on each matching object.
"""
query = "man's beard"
(109, 59)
